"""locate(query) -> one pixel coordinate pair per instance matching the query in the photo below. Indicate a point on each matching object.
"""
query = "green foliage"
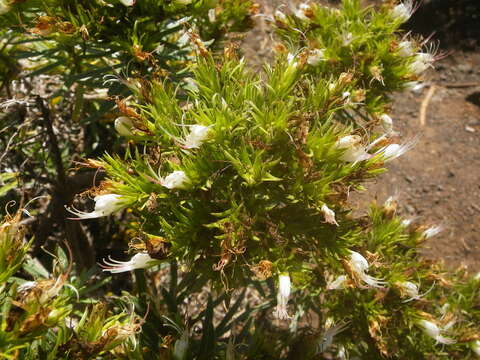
(237, 188)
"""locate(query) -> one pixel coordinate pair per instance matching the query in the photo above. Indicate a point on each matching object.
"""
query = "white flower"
(175, 180)
(347, 38)
(338, 283)
(415, 86)
(212, 16)
(128, 2)
(104, 205)
(26, 286)
(329, 214)
(124, 126)
(303, 11)
(329, 333)
(406, 49)
(392, 151)
(198, 134)
(387, 123)
(432, 330)
(4, 6)
(284, 288)
(411, 289)
(138, 261)
(359, 266)
(315, 57)
(292, 60)
(475, 346)
(403, 11)
(280, 16)
(407, 222)
(421, 63)
(432, 231)
(354, 150)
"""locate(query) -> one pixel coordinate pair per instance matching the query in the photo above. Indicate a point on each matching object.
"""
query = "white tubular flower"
(292, 60)
(212, 16)
(280, 16)
(393, 151)
(138, 261)
(347, 38)
(421, 63)
(338, 283)
(410, 289)
(406, 49)
(198, 134)
(432, 231)
(315, 57)
(124, 126)
(403, 11)
(329, 215)
(26, 286)
(387, 123)
(354, 150)
(284, 288)
(475, 346)
(303, 12)
(359, 266)
(329, 333)
(407, 222)
(176, 180)
(104, 205)
(4, 6)
(432, 330)
(415, 86)
(128, 2)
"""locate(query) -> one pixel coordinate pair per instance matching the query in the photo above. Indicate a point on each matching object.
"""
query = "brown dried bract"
(262, 270)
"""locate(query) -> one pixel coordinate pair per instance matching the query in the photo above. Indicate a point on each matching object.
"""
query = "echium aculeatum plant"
(250, 174)
(42, 313)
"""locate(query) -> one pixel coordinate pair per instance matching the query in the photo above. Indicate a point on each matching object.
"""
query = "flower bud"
(124, 126)
(175, 180)
(403, 11)
(315, 57)
(329, 215)
(280, 16)
(387, 123)
(128, 2)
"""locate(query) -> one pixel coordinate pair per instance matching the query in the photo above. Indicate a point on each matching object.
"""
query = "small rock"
(409, 179)
(465, 67)
(410, 209)
(440, 188)
(469, 129)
